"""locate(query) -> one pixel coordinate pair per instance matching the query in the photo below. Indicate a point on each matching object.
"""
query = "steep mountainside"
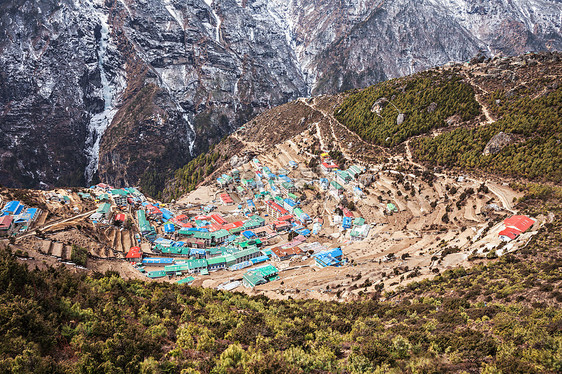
(135, 89)
(498, 115)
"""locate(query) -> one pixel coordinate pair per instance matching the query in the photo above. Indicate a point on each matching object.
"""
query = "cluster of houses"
(113, 200)
(15, 217)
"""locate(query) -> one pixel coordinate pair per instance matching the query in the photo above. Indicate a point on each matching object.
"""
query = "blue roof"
(157, 260)
(290, 202)
(251, 202)
(330, 257)
(197, 251)
(249, 234)
(13, 207)
(169, 228)
(259, 259)
(166, 214)
(26, 216)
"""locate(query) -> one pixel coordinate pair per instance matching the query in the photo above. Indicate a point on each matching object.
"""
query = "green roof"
(266, 271)
(293, 196)
(287, 185)
(359, 221)
(216, 260)
(156, 274)
(230, 258)
(119, 192)
(245, 252)
(104, 208)
(254, 279)
(202, 235)
(182, 267)
(221, 233)
(197, 264)
(186, 280)
(186, 232)
(336, 185)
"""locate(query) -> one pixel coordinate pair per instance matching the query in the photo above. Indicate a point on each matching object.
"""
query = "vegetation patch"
(425, 101)
(535, 120)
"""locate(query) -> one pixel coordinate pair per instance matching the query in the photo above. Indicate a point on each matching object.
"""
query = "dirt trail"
(335, 123)
(478, 97)
(54, 224)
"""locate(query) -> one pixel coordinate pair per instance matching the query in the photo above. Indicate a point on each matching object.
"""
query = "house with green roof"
(196, 266)
(360, 232)
(343, 177)
(261, 275)
(220, 236)
(359, 221)
(246, 255)
(391, 208)
(205, 237)
(104, 210)
(156, 274)
(288, 187)
(216, 263)
(187, 280)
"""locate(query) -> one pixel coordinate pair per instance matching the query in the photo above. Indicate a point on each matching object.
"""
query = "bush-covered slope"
(523, 96)
(535, 122)
(502, 316)
(426, 99)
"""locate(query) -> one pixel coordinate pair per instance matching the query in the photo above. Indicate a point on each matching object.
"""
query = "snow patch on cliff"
(100, 121)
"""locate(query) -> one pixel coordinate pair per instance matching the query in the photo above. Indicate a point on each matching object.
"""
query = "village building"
(134, 254)
(261, 275)
(327, 166)
(281, 254)
(119, 197)
(330, 257)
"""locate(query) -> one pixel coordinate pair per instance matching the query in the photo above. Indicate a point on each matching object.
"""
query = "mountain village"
(279, 227)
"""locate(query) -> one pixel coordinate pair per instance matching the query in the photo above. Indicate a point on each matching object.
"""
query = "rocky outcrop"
(498, 142)
(127, 89)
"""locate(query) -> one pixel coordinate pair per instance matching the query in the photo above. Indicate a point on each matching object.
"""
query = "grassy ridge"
(504, 315)
(537, 122)
(427, 99)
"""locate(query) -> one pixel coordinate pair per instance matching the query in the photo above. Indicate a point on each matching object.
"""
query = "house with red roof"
(514, 226)
(134, 254)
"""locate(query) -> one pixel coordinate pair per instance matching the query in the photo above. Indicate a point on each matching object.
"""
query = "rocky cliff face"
(130, 89)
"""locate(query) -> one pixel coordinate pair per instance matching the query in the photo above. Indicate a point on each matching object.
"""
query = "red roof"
(5, 222)
(214, 227)
(329, 165)
(180, 218)
(134, 252)
(510, 233)
(218, 219)
(286, 252)
(233, 225)
(521, 223)
(201, 218)
(226, 198)
(288, 217)
(278, 207)
(120, 217)
(347, 213)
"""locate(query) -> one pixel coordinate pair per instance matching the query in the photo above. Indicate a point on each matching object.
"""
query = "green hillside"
(537, 122)
(426, 99)
(502, 316)
(524, 94)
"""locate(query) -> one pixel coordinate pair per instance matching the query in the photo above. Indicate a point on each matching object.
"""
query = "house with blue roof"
(13, 208)
(330, 257)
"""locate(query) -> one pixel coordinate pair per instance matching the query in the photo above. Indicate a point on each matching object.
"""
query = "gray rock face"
(127, 88)
(498, 142)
